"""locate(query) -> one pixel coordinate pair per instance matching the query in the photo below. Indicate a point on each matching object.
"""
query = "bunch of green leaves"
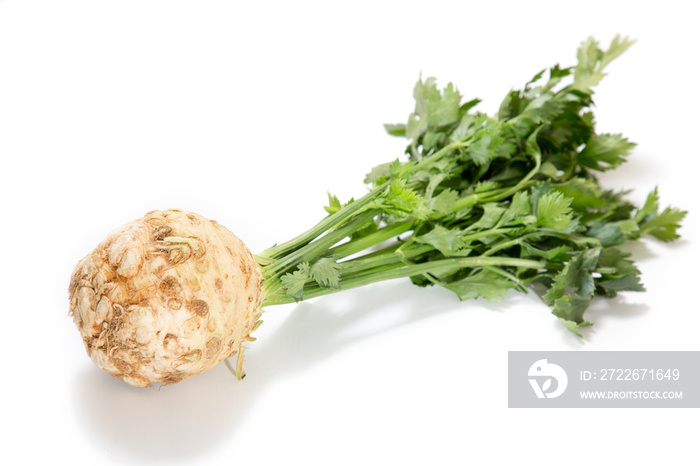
(486, 204)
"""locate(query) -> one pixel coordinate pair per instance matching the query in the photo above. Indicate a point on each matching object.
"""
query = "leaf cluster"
(560, 215)
(486, 204)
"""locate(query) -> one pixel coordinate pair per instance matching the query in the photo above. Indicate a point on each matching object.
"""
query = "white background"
(248, 115)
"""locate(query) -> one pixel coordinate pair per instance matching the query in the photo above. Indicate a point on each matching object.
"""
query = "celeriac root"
(165, 298)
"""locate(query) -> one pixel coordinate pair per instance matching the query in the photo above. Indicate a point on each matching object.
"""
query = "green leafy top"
(485, 204)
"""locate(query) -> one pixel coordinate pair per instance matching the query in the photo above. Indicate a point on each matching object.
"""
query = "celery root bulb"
(165, 298)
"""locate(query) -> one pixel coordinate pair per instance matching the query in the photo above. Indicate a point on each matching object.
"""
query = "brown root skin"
(165, 298)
